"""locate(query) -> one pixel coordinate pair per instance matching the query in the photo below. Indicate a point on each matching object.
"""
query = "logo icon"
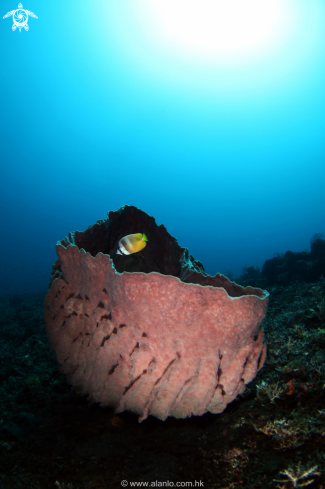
(20, 18)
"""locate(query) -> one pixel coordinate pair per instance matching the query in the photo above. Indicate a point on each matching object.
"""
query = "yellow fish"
(132, 243)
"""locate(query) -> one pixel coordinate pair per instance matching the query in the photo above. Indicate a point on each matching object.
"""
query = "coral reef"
(150, 332)
(302, 266)
(273, 432)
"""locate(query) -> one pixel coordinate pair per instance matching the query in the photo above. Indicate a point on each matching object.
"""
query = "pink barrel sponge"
(162, 339)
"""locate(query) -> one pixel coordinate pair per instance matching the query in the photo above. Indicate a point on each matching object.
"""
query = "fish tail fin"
(144, 238)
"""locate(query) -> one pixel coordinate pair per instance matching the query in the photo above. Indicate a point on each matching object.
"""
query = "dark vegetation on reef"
(273, 436)
(285, 268)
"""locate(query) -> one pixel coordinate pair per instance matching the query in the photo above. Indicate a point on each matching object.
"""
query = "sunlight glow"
(218, 29)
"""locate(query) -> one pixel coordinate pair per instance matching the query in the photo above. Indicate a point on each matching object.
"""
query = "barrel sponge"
(150, 333)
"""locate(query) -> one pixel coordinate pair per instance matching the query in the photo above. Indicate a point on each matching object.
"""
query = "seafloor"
(273, 436)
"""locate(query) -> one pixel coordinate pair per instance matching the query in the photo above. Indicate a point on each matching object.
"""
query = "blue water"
(96, 113)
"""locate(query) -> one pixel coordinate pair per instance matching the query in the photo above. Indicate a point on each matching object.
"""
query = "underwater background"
(102, 105)
(209, 116)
